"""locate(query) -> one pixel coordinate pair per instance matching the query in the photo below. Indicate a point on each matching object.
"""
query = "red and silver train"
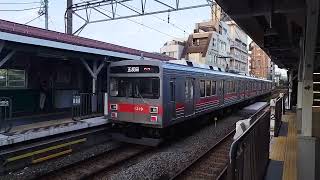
(146, 97)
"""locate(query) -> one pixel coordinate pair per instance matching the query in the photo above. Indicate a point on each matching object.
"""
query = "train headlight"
(154, 118)
(114, 107)
(153, 109)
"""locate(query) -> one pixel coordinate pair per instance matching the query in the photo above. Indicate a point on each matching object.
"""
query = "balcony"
(238, 45)
(238, 58)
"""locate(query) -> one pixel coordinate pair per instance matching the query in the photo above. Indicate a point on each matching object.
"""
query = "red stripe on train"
(208, 99)
(136, 108)
(179, 105)
(230, 95)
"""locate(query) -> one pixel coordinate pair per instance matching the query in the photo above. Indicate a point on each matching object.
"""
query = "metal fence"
(277, 110)
(5, 114)
(87, 105)
(249, 154)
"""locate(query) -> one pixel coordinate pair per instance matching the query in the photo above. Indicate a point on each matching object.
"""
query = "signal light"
(153, 109)
(154, 119)
(114, 107)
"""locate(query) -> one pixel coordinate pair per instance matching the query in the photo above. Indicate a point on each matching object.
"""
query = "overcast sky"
(121, 32)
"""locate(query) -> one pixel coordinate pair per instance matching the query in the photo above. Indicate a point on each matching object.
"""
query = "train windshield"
(135, 87)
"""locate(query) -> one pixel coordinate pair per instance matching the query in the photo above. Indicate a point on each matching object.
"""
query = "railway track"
(91, 167)
(211, 163)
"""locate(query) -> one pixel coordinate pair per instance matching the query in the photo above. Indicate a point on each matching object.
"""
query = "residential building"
(261, 64)
(238, 48)
(207, 45)
(218, 42)
(173, 48)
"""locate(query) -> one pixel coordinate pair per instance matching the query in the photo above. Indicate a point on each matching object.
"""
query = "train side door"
(189, 97)
(221, 91)
(172, 99)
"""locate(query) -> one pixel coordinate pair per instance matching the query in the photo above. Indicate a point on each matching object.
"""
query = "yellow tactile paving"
(284, 148)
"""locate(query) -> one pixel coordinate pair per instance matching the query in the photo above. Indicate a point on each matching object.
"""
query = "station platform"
(283, 151)
(33, 127)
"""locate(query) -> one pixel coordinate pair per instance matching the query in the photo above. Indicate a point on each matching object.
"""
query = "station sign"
(135, 69)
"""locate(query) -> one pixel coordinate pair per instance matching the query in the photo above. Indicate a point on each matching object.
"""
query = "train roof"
(170, 65)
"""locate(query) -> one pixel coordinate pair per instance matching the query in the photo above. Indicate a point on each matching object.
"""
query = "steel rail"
(225, 138)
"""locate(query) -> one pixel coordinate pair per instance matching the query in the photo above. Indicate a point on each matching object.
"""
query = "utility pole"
(46, 15)
(69, 17)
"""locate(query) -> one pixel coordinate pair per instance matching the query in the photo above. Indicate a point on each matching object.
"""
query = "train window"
(147, 88)
(120, 87)
(231, 86)
(202, 88)
(143, 87)
(213, 87)
(208, 88)
(172, 90)
(189, 88)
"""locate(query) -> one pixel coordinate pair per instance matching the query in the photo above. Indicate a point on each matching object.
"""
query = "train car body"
(149, 95)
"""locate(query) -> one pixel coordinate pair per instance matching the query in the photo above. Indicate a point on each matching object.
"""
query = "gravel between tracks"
(168, 160)
(35, 171)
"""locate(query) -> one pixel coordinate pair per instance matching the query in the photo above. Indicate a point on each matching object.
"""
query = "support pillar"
(94, 72)
(94, 87)
(69, 25)
(300, 87)
(307, 151)
(290, 76)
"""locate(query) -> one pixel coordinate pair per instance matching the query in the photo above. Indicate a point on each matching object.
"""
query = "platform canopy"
(275, 25)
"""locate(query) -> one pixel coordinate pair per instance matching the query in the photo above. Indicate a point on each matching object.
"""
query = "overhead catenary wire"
(17, 10)
(33, 19)
(18, 3)
(141, 24)
(181, 29)
(167, 21)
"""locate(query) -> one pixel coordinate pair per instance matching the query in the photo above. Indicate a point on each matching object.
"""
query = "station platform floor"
(38, 126)
(283, 151)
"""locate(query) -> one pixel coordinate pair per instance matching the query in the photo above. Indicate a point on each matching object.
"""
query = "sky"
(121, 32)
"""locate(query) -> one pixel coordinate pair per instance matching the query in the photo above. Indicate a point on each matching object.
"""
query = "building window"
(224, 30)
(12, 78)
(202, 88)
(220, 29)
(171, 54)
(196, 42)
(223, 44)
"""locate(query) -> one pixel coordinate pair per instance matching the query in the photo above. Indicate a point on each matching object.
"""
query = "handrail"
(87, 105)
(236, 142)
(259, 120)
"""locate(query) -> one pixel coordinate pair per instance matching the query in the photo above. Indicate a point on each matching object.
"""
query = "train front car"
(135, 103)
